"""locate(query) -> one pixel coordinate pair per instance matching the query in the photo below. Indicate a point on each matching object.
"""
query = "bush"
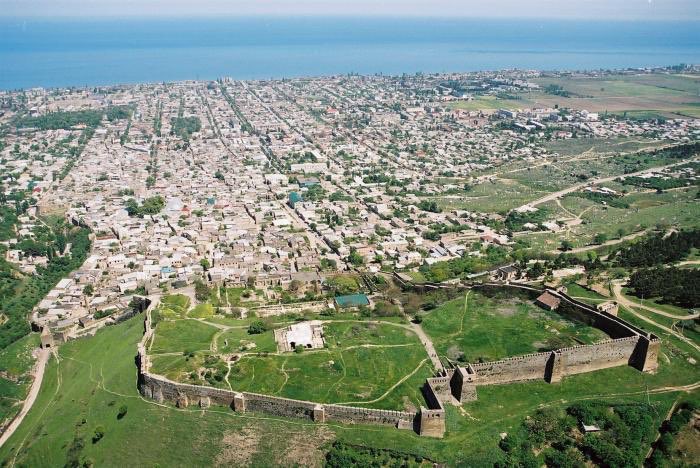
(122, 411)
(257, 327)
(98, 435)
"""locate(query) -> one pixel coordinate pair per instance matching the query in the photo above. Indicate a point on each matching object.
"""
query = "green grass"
(16, 360)
(238, 339)
(358, 375)
(204, 310)
(343, 335)
(97, 375)
(499, 195)
(182, 335)
(493, 329)
(178, 303)
(579, 292)
(175, 367)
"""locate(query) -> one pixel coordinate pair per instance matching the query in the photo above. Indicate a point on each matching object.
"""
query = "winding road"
(38, 373)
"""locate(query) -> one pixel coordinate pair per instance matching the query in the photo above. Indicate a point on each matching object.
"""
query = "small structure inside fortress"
(308, 335)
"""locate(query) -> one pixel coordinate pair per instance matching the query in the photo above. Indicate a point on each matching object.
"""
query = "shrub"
(122, 411)
(98, 435)
(257, 327)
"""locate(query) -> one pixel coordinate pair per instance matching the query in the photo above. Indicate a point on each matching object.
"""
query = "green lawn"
(357, 375)
(238, 339)
(204, 310)
(182, 335)
(345, 334)
(491, 329)
(176, 302)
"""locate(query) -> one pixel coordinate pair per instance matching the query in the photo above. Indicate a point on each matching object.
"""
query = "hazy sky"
(596, 9)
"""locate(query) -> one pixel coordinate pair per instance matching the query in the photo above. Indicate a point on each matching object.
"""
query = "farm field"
(668, 95)
(478, 328)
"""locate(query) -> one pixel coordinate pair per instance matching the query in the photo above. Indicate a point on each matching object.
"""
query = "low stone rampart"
(282, 309)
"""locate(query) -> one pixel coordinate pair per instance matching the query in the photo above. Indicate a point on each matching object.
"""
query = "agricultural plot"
(496, 196)
(479, 328)
(669, 95)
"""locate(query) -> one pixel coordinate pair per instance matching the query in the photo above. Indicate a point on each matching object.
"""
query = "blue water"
(92, 52)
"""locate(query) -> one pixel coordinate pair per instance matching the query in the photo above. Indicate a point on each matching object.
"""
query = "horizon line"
(408, 16)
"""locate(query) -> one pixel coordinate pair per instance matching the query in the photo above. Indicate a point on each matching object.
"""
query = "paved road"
(31, 396)
(600, 180)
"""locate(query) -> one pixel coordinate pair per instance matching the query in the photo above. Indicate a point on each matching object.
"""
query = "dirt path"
(391, 389)
(630, 307)
(38, 373)
(624, 300)
(599, 180)
(586, 248)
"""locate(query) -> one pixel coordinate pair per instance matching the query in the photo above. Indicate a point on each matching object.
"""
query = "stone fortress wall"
(629, 346)
(183, 395)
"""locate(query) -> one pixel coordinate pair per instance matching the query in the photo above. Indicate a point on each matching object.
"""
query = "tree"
(204, 263)
(201, 291)
(294, 285)
(122, 411)
(600, 238)
(566, 245)
(257, 327)
(355, 258)
(88, 290)
(536, 270)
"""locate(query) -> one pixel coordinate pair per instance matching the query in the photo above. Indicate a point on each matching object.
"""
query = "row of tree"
(676, 286)
(659, 249)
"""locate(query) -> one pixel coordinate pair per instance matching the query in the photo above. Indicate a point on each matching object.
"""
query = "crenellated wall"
(629, 346)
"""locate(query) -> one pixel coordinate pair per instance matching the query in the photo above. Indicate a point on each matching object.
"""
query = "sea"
(89, 52)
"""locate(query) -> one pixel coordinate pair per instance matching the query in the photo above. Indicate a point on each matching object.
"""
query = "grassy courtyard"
(378, 364)
(477, 327)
